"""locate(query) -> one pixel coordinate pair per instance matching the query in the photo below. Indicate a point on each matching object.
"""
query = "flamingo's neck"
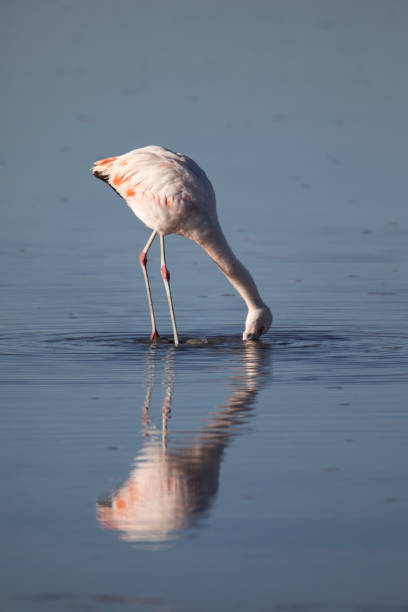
(217, 247)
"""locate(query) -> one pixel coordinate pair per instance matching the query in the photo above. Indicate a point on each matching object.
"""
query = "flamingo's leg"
(166, 277)
(143, 263)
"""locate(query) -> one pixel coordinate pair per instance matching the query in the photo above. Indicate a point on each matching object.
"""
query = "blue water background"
(297, 112)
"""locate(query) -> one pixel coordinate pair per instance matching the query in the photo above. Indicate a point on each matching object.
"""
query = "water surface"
(220, 475)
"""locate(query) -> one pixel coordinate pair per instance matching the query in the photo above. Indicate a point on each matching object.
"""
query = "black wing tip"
(100, 175)
(105, 178)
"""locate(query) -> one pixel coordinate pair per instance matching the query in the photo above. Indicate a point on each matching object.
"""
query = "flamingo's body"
(171, 194)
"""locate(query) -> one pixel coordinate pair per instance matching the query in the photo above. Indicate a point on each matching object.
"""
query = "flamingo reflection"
(170, 486)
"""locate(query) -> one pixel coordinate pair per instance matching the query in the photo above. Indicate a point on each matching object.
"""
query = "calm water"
(219, 475)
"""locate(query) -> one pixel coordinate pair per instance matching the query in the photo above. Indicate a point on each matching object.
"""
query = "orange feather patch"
(118, 180)
(108, 160)
(130, 193)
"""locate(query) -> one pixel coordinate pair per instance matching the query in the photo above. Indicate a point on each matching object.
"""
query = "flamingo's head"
(257, 323)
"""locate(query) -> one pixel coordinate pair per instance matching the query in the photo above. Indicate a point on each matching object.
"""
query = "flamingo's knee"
(143, 259)
(165, 273)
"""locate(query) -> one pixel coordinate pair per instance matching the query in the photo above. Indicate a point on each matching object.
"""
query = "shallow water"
(219, 475)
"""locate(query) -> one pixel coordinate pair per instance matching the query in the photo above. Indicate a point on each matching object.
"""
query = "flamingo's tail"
(101, 169)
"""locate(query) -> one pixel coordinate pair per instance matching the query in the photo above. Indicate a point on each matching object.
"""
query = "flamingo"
(171, 194)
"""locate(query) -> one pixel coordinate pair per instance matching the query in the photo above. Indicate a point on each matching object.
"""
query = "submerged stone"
(196, 341)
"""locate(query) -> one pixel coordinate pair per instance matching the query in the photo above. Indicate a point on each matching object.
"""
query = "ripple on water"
(297, 355)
